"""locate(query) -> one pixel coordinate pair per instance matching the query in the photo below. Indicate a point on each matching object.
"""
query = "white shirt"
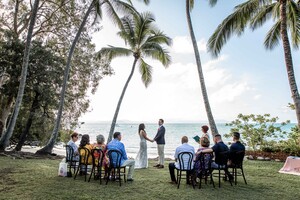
(185, 147)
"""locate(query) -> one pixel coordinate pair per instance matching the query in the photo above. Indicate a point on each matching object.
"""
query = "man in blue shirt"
(236, 145)
(115, 144)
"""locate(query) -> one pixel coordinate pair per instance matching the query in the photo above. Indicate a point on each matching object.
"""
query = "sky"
(245, 78)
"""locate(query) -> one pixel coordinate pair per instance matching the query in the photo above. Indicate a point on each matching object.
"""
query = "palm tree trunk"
(289, 60)
(4, 141)
(113, 123)
(34, 106)
(210, 117)
(49, 147)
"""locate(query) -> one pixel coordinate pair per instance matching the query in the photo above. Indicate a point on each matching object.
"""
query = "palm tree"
(4, 141)
(254, 13)
(189, 7)
(144, 40)
(111, 6)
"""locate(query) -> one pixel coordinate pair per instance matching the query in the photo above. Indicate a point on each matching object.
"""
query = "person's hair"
(161, 120)
(85, 139)
(100, 139)
(184, 139)
(74, 134)
(205, 128)
(141, 127)
(236, 135)
(204, 141)
(218, 136)
(116, 134)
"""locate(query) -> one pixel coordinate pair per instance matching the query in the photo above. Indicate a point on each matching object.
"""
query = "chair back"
(97, 155)
(222, 157)
(237, 158)
(84, 154)
(115, 157)
(185, 160)
(69, 153)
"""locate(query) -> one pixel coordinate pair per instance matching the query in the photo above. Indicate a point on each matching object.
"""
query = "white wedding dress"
(141, 160)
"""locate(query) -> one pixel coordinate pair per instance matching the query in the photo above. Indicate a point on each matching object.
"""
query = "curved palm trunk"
(113, 123)
(210, 117)
(4, 141)
(289, 60)
(48, 148)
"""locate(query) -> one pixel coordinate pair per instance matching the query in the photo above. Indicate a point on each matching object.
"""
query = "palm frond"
(191, 3)
(264, 13)
(111, 52)
(293, 16)
(146, 72)
(157, 52)
(143, 26)
(273, 36)
(159, 37)
(127, 33)
(212, 2)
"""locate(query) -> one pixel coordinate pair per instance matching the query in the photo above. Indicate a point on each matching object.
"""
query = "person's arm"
(145, 136)
(160, 133)
(123, 152)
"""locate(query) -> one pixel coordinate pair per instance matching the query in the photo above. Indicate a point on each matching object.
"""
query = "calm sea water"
(174, 132)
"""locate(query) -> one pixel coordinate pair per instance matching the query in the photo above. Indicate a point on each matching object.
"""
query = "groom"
(160, 140)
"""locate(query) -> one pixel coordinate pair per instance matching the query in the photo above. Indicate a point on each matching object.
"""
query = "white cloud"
(183, 45)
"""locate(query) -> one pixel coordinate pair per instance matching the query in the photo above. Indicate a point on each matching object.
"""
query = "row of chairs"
(114, 172)
(206, 169)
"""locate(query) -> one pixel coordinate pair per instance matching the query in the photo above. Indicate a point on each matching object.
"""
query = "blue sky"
(246, 78)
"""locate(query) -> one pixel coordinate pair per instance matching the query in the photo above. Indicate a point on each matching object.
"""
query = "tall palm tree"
(254, 13)
(112, 7)
(189, 7)
(144, 40)
(4, 141)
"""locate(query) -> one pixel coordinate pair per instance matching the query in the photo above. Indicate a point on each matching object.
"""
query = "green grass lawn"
(37, 179)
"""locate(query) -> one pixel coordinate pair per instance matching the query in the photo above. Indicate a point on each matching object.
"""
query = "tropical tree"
(254, 13)
(4, 141)
(144, 40)
(112, 7)
(189, 7)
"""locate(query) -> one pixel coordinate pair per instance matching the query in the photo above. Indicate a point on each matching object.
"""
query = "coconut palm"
(112, 7)
(253, 14)
(144, 40)
(189, 7)
(4, 141)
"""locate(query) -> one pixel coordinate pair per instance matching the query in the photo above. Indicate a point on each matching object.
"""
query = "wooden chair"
(84, 155)
(236, 162)
(185, 160)
(115, 169)
(205, 170)
(71, 160)
(97, 168)
(221, 160)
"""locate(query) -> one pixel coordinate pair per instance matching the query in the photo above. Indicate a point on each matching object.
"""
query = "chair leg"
(235, 175)
(178, 179)
(243, 175)
(108, 175)
(93, 171)
(119, 173)
(219, 178)
(77, 171)
(212, 180)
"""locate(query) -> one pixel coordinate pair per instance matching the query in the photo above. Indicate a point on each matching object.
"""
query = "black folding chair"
(84, 155)
(221, 159)
(205, 170)
(185, 160)
(71, 160)
(97, 155)
(236, 162)
(115, 170)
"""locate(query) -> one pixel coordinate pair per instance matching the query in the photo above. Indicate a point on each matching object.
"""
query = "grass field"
(37, 179)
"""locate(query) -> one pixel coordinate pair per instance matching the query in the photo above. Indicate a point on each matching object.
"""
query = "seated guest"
(236, 145)
(100, 145)
(85, 142)
(219, 148)
(74, 138)
(204, 142)
(115, 144)
(185, 147)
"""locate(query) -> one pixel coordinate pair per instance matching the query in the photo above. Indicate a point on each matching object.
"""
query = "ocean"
(174, 132)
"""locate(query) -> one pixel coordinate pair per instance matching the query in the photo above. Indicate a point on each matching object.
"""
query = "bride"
(141, 160)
